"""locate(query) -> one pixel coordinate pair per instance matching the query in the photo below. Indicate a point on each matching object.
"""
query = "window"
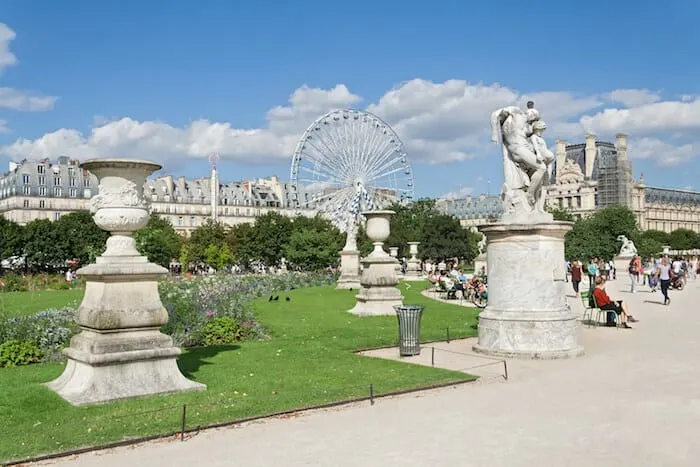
(192, 221)
(42, 191)
(71, 171)
(41, 169)
(25, 179)
(180, 221)
(71, 182)
(26, 203)
(86, 182)
(56, 216)
(57, 191)
(73, 192)
(42, 179)
(42, 204)
(27, 189)
(57, 181)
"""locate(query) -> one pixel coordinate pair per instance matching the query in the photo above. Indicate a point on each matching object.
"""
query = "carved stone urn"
(378, 293)
(413, 270)
(394, 253)
(120, 352)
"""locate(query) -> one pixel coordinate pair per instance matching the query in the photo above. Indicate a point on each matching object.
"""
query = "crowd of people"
(662, 273)
(471, 286)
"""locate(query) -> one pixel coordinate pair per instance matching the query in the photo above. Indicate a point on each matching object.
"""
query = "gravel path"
(633, 400)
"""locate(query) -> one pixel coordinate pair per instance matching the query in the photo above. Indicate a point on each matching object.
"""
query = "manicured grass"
(26, 303)
(308, 360)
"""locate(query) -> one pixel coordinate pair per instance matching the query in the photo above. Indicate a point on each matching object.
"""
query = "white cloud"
(161, 141)
(461, 192)
(633, 97)
(3, 126)
(439, 123)
(17, 99)
(649, 119)
(25, 100)
(7, 58)
(662, 153)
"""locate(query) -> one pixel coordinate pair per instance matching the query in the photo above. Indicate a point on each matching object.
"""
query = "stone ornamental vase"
(413, 269)
(378, 293)
(394, 253)
(120, 352)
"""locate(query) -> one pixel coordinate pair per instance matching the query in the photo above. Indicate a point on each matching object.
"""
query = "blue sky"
(174, 81)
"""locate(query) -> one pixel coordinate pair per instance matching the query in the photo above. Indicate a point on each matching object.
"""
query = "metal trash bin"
(409, 329)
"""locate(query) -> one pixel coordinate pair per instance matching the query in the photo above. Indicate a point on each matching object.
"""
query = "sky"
(175, 81)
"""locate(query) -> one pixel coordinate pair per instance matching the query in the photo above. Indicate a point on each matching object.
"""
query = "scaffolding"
(614, 177)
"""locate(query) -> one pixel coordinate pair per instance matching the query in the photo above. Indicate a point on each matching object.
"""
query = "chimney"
(560, 152)
(591, 152)
(621, 144)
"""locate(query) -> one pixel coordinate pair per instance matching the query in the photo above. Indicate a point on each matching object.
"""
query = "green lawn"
(25, 303)
(308, 360)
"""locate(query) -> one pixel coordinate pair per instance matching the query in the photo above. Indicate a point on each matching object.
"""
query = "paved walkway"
(633, 400)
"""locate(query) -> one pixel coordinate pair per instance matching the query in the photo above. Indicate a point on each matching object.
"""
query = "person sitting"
(605, 303)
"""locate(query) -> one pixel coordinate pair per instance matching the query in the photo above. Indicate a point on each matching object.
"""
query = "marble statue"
(526, 161)
(628, 249)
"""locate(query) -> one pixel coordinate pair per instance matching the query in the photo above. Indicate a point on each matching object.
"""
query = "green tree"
(79, 237)
(211, 255)
(241, 239)
(443, 237)
(648, 246)
(42, 249)
(11, 239)
(314, 243)
(224, 258)
(596, 236)
(658, 235)
(561, 214)
(158, 241)
(272, 231)
(209, 233)
(683, 239)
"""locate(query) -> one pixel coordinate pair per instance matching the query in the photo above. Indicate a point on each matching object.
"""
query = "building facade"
(589, 176)
(46, 190)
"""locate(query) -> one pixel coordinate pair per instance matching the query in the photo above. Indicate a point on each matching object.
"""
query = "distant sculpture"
(628, 249)
(526, 161)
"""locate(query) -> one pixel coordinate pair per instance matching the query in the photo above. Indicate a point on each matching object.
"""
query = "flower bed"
(222, 301)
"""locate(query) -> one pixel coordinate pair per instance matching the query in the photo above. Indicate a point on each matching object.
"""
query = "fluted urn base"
(378, 292)
(349, 270)
(121, 352)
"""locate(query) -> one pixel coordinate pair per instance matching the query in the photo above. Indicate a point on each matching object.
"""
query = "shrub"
(17, 353)
(223, 330)
(191, 303)
(49, 330)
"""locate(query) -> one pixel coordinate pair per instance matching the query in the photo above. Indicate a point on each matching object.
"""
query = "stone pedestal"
(120, 352)
(349, 270)
(413, 270)
(394, 253)
(479, 263)
(527, 315)
(622, 266)
(378, 293)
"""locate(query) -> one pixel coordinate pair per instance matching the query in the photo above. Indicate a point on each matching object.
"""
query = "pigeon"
(276, 298)
(270, 299)
(287, 298)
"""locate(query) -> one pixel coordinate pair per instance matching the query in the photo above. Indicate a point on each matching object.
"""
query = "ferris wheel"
(348, 161)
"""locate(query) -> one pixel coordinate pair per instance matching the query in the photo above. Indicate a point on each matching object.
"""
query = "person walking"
(634, 274)
(592, 273)
(576, 274)
(664, 271)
